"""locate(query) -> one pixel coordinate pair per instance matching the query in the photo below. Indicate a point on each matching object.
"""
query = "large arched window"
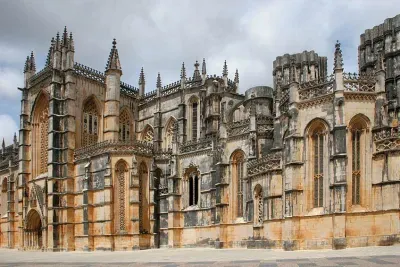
(193, 118)
(148, 134)
(237, 179)
(191, 186)
(358, 127)
(124, 126)
(90, 131)
(144, 216)
(120, 189)
(40, 135)
(169, 133)
(318, 149)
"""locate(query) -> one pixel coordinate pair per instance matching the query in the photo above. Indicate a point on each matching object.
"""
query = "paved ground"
(370, 256)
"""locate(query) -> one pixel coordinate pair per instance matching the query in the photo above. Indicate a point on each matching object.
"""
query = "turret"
(142, 83)
(113, 79)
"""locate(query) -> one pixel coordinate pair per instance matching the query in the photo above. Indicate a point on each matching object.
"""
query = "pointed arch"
(317, 133)
(90, 121)
(125, 124)
(237, 170)
(120, 198)
(358, 129)
(169, 132)
(147, 134)
(193, 118)
(40, 131)
(144, 199)
(191, 185)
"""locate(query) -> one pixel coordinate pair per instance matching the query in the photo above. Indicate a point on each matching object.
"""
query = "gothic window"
(238, 174)
(193, 119)
(90, 133)
(258, 205)
(40, 136)
(169, 133)
(124, 126)
(317, 145)
(191, 187)
(120, 188)
(144, 220)
(148, 134)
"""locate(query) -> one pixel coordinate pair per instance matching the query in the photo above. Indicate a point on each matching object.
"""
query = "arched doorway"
(33, 230)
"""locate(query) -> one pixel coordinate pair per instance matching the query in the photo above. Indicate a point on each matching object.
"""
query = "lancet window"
(90, 133)
(318, 146)
(238, 174)
(124, 126)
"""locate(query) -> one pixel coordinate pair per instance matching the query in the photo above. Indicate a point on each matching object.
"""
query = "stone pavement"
(202, 257)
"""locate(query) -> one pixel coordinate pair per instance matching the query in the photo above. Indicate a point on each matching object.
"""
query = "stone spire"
(50, 54)
(196, 73)
(183, 71)
(3, 147)
(71, 45)
(142, 83)
(27, 65)
(15, 141)
(30, 65)
(225, 69)
(113, 59)
(33, 64)
(203, 67)
(158, 81)
(57, 43)
(236, 80)
(338, 61)
(64, 40)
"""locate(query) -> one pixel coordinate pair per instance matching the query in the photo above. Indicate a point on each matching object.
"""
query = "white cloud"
(7, 128)
(10, 79)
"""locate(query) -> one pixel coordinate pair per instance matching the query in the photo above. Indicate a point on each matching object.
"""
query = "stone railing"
(269, 163)
(353, 82)
(316, 88)
(200, 144)
(238, 127)
(128, 89)
(387, 139)
(89, 73)
(163, 154)
(171, 88)
(137, 147)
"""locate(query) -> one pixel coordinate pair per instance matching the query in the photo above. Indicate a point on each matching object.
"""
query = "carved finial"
(50, 54)
(225, 69)
(27, 64)
(33, 64)
(113, 60)
(141, 77)
(71, 42)
(64, 40)
(183, 71)
(236, 76)
(158, 81)
(57, 44)
(338, 61)
(196, 73)
(203, 67)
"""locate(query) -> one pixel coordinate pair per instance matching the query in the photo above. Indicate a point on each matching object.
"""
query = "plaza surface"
(369, 256)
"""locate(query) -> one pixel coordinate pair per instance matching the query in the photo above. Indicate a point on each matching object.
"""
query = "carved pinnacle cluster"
(225, 69)
(196, 73)
(158, 81)
(203, 67)
(141, 77)
(183, 71)
(113, 60)
(30, 65)
(338, 61)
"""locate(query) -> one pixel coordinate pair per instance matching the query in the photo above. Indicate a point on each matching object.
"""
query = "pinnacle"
(158, 81)
(203, 67)
(33, 65)
(236, 76)
(141, 77)
(225, 69)
(113, 59)
(338, 60)
(183, 71)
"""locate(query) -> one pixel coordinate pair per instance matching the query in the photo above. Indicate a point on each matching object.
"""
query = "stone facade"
(307, 164)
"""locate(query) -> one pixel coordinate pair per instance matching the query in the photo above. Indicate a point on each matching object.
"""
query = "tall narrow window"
(90, 123)
(40, 136)
(194, 121)
(144, 220)
(318, 147)
(238, 174)
(356, 170)
(193, 189)
(124, 126)
(44, 128)
(120, 196)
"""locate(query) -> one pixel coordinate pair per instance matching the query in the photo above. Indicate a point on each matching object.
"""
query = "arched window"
(124, 126)
(169, 133)
(148, 134)
(193, 118)
(3, 197)
(144, 220)
(120, 189)
(40, 135)
(258, 205)
(191, 186)
(358, 126)
(238, 183)
(90, 133)
(317, 137)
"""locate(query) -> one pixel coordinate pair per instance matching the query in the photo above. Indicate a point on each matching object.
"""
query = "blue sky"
(160, 35)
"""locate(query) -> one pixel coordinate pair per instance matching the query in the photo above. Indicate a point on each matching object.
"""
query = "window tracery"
(90, 123)
(318, 151)
(238, 174)
(148, 134)
(43, 129)
(356, 170)
(124, 126)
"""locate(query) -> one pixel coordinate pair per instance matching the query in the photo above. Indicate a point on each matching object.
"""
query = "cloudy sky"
(160, 35)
